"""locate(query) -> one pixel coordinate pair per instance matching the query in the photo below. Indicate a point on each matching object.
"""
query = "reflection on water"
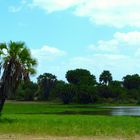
(125, 110)
(109, 110)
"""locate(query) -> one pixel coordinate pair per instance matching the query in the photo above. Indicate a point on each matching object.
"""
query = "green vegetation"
(28, 118)
(46, 83)
(105, 77)
(82, 88)
(16, 65)
(44, 108)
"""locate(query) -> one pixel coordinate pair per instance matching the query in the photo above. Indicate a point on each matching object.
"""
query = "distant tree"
(16, 65)
(133, 95)
(131, 81)
(46, 83)
(54, 95)
(104, 91)
(86, 94)
(26, 91)
(65, 91)
(105, 77)
(116, 83)
(108, 93)
(80, 77)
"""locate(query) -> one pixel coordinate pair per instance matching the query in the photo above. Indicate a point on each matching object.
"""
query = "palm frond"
(17, 64)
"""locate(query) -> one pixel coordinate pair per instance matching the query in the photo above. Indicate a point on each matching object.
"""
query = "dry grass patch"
(31, 137)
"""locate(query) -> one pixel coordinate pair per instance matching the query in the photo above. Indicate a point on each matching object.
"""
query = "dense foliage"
(26, 91)
(16, 65)
(80, 77)
(46, 83)
(82, 87)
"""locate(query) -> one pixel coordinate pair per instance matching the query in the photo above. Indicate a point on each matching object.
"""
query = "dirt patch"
(29, 137)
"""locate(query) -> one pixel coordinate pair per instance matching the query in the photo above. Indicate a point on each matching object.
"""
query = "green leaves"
(2, 48)
(80, 76)
(17, 64)
(105, 77)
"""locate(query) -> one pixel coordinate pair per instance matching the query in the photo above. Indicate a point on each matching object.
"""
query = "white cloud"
(105, 46)
(120, 55)
(49, 60)
(119, 65)
(131, 38)
(122, 59)
(120, 43)
(14, 9)
(55, 5)
(100, 61)
(117, 13)
(18, 7)
(47, 53)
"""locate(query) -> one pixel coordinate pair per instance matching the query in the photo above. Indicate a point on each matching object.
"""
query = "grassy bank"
(30, 118)
(45, 108)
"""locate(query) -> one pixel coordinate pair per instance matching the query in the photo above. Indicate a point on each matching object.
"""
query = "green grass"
(18, 118)
(44, 108)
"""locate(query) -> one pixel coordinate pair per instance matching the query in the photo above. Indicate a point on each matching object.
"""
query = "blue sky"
(93, 34)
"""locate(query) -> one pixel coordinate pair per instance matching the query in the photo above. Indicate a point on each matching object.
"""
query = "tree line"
(81, 87)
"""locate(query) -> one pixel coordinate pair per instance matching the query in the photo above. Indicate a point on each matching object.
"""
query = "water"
(110, 111)
(101, 110)
(124, 110)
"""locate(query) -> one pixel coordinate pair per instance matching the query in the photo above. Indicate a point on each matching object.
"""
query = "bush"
(65, 92)
(26, 91)
(86, 94)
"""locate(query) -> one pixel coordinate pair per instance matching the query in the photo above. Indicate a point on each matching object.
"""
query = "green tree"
(26, 91)
(107, 93)
(46, 83)
(54, 95)
(131, 81)
(105, 77)
(16, 65)
(80, 77)
(86, 94)
(116, 83)
(67, 93)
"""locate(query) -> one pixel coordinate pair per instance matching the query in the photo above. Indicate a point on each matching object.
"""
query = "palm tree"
(46, 82)
(105, 77)
(16, 65)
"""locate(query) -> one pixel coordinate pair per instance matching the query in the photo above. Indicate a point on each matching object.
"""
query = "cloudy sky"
(66, 34)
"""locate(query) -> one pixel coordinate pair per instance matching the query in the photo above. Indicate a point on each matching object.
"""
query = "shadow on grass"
(103, 112)
(7, 120)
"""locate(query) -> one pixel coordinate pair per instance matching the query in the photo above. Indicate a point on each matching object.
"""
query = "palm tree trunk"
(2, 101)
